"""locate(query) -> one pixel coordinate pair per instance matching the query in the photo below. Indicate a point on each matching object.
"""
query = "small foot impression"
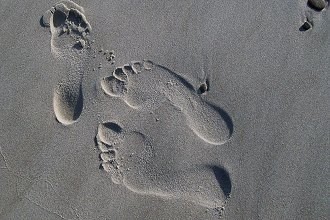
(145, 86)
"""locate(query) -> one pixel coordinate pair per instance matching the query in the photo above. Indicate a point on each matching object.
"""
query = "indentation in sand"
(313, 10)
(70, 30)
(317, 5)
(306, 25)
(145, 86)
(70, 44)
(203, 88)
(128, 155)
(68, 103)
(131, 160)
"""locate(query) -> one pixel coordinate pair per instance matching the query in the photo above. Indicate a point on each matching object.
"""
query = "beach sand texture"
(164, 109)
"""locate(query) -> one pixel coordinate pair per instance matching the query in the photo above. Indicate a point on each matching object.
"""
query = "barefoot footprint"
(317, 5)
(314, 10)
(133, 161)
(69, 43)
(129, 156)
(145, 86)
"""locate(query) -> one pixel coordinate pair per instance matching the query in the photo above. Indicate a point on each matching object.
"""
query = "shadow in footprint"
(113, 126)
(79, 106)
(76, 18)
(95, 141)
(306, 26)
(204, 87)
(68, 104)
(223, 179)
(317, 5)
(41, 22)
(180, 78)
(59, 18)
(225, 117)
(78, 46)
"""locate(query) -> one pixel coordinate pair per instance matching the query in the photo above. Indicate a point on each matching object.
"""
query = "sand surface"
(164, 109)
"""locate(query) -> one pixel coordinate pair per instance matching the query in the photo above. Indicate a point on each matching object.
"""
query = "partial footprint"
(313, 12)
(110, 137)
(145, 86)
(317, 5)
(70, 44)
(133, 161)
(68, 102)
(70, 30)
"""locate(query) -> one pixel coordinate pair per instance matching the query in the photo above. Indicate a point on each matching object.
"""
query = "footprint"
(70, 44)
(317, 5)
(68, 102)
(313, 10)
(131, 159)
(70, 30)
(145, 86)
(110, 137)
